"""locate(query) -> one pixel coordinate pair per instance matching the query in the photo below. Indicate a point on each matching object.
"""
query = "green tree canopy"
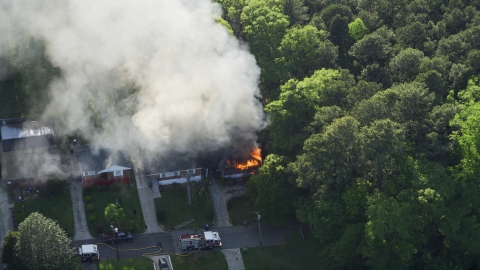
(270, 191)
(42, 244)
(114, 213)
(357, 29)
(304, 50)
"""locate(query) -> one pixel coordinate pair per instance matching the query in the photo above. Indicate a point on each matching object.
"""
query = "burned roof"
(30, 163)
(91, 159)
(171, 161)
(28, 143)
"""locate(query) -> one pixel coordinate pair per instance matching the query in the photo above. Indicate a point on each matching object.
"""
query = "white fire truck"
(89, 253)
(206, 239)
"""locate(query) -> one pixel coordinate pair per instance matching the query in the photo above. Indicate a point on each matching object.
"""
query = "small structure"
(102, 167)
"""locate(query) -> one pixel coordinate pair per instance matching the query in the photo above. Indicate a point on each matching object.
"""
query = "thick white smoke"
(194, 83)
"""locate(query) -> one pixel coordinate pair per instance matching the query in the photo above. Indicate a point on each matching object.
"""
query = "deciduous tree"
(42, 244)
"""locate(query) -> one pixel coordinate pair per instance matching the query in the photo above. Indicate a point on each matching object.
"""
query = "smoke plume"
(158, 74)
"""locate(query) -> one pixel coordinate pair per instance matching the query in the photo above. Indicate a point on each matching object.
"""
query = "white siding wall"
(179, 180)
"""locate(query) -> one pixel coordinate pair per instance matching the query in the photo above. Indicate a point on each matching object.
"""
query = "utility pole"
(259, 230)
(116, 242)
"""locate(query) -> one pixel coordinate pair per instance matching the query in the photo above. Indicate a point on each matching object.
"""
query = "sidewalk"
(145, 194)
(234, 259)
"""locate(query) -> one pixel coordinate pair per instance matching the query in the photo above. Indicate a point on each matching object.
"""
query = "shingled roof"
(90, 159)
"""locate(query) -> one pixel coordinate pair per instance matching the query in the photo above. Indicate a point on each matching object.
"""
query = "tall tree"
(42, 244)
(271, 192)
(114, 213)
(264, 25)
(296, 107)
(304, 50)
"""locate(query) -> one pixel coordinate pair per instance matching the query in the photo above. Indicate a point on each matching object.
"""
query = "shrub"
(92, 218)
(87, 198)
(90, 207)
(56, 187)
(161, 216)
(18, 206)
(20, 217)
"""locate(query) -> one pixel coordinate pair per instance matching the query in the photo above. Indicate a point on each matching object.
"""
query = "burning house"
(234, 168)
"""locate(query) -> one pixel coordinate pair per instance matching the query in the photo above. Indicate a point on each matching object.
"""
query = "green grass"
(239, 211)
(294, 253)
(200, 261)
(106, 195)
(58, 208)
(139, 263)
(176, 209)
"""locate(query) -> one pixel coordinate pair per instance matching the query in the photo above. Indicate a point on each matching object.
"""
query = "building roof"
(30, 163)
(114, 168)
(91, 160)
(89, 248)
(25, 130)
(171, 162)
(28, 143)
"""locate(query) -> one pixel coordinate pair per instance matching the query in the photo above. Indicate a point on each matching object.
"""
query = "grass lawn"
(295, 253)
(204, 260)
(58, 208)
(238, 211)
(173, 204)
(126, 264)
(103, 196)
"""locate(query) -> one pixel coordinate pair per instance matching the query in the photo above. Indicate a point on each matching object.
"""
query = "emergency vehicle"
(89, 253)
(206, 239)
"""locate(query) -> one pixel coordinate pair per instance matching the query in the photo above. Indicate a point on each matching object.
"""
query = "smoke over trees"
(162, 74)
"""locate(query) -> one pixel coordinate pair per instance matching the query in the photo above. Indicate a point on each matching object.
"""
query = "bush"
(90, 207)
(20, 217)
(56, 187)
(87, 198)
(161, 216)
(18, 206)
(92, 218)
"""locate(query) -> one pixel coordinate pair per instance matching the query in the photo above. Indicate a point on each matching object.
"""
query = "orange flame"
(255, 161)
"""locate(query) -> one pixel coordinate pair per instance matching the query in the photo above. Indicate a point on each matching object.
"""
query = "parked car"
(122, 237)
(163, 263)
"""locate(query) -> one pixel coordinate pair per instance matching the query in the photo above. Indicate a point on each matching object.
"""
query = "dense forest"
(374, 134)
(374, 123)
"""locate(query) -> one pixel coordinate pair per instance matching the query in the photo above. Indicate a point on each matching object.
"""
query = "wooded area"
(374, 130)
(374, 133)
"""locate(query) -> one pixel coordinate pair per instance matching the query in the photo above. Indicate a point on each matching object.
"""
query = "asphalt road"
(232, 237)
